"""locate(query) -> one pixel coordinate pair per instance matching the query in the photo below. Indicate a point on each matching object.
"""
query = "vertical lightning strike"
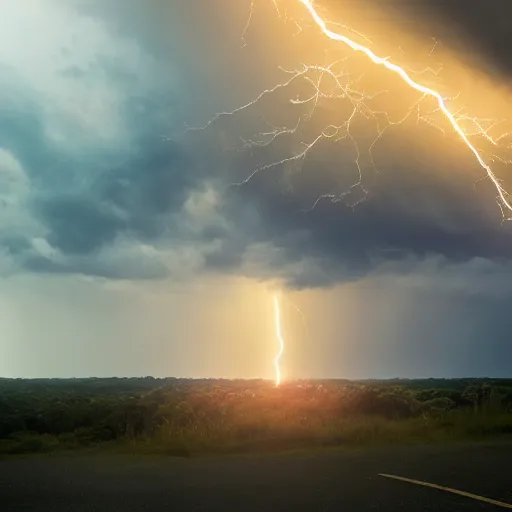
(427, 91)
(280, 339)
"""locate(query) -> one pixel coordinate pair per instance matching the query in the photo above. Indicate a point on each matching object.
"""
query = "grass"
(353, 432)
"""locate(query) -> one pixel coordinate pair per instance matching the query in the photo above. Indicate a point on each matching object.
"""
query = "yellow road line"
(449, 489)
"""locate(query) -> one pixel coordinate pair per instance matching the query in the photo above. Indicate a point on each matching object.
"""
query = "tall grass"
(350, 432)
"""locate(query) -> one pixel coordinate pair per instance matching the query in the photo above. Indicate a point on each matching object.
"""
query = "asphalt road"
(328, 481)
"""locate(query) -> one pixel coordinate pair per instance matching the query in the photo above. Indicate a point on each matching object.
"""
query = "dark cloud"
(348, 242)
(22, 132)
(136, 199)
(155, 182)
(469, 26)
(85, 201)
(77, 225)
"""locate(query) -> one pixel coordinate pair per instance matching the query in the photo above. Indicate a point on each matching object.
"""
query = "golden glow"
(279, 336)
(342, 86)
(383, 61)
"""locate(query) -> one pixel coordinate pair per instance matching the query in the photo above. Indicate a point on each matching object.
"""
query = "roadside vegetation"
(183, 417)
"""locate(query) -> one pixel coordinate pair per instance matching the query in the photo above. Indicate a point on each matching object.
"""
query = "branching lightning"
(383, 61)
(343, 87)
(280, 339)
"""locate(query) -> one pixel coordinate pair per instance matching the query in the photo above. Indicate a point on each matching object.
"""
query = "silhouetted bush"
(438, 404)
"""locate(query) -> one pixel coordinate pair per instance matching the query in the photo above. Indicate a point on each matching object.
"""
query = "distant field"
(186, 417)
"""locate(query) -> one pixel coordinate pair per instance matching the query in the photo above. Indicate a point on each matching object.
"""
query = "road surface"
(323, 481)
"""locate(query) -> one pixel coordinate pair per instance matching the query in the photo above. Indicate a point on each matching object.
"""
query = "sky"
(133, 245)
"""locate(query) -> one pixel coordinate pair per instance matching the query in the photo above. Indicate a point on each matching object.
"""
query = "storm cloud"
(98, 162)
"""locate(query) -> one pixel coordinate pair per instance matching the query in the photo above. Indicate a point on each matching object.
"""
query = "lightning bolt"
(383, 61)
(345, 88)
(280, 339)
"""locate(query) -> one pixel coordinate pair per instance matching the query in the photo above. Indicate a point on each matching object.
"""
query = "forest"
(185, 417)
